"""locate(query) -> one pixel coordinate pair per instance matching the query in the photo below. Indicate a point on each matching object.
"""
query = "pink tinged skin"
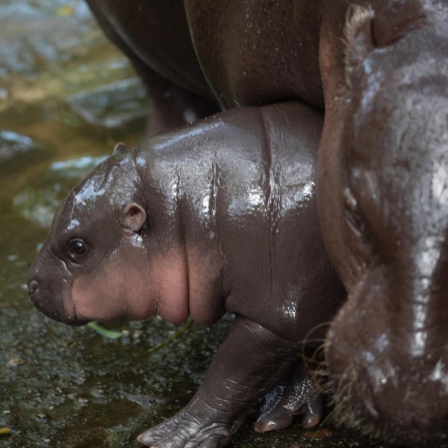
(204, 281)
(126, 286)
(117, 289)
(169, 277)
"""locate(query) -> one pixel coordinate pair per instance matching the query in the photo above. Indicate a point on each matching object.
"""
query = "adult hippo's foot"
(296, 395)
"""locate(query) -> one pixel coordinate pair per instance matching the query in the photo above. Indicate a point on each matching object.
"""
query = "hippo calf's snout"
(54, 301)
(34, 293)
(50, 281)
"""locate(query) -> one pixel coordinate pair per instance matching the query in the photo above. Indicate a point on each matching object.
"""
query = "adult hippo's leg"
(173, 106)
(383, 205)
(232, 383)
(177, 99)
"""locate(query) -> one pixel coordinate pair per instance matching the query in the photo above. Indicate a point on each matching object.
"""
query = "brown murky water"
(66, 96)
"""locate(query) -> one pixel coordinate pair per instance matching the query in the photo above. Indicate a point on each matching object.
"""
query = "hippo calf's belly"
(218, 216)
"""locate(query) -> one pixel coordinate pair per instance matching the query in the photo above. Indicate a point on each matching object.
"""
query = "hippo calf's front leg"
(249, 363)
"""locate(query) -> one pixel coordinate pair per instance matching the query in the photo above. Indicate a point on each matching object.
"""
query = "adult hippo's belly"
(234, 53)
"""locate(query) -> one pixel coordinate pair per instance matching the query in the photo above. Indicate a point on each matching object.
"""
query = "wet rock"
(32, 33)
(112, 105)
(43, 50)
(18, 150)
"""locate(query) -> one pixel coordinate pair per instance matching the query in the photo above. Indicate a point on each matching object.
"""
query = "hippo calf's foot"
(184, 429)
(296, 395)
(221, 405)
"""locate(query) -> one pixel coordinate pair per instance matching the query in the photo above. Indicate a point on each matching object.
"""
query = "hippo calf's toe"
(214, 217)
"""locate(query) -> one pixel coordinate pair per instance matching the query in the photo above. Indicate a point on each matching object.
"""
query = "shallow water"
(66, 97)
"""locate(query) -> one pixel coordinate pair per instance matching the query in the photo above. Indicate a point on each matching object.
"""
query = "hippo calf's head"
(96, 261)
(383, 204)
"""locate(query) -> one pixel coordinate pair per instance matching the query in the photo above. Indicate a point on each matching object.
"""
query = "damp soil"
(66, 97)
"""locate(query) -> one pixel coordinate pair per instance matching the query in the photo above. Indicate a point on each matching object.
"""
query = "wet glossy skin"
(199, 221)
(381, 73)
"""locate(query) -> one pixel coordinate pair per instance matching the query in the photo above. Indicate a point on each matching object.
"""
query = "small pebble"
(14, 362)
(317, 435)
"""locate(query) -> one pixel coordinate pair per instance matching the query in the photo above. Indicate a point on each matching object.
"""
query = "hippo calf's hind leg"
(249, 363)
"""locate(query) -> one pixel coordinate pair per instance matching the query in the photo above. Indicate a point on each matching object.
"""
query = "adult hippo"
(218, 216)
(383, 207)
(379, 68)
(198, 56)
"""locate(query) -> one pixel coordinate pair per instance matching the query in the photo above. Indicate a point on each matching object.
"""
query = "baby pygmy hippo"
(217, 216)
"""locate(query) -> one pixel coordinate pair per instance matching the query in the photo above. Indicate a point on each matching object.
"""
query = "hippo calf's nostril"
(32, 287)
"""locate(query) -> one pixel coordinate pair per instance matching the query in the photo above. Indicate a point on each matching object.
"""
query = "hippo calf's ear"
(119, 148)
(134, 216)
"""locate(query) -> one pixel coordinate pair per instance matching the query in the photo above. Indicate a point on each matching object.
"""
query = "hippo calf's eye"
(78, 248)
